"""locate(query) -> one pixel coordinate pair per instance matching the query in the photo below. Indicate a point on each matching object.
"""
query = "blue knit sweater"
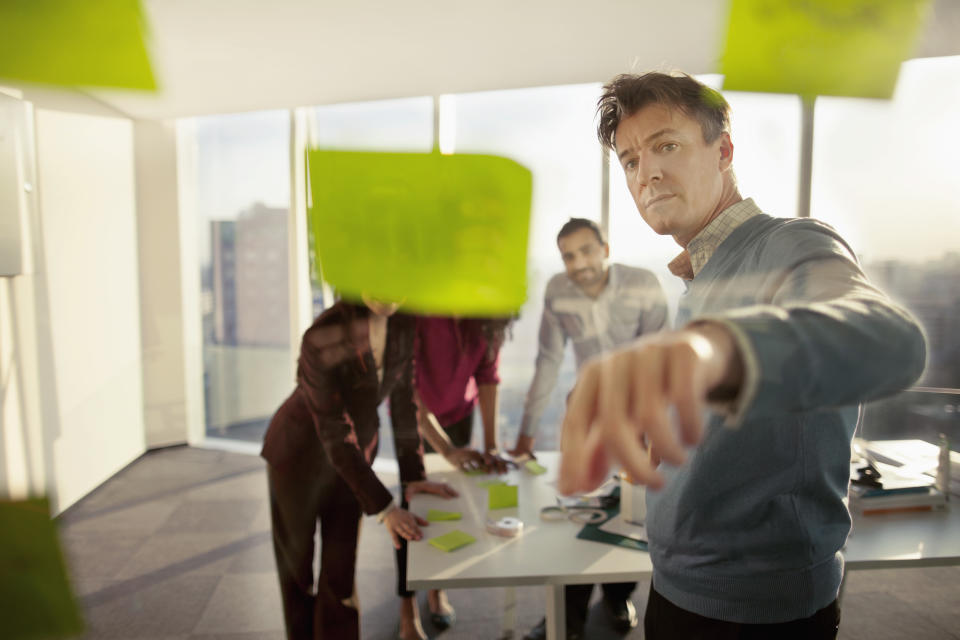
(750, 527)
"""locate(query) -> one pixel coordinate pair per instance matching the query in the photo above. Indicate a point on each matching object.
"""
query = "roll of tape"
(507, 527)
(588, 516)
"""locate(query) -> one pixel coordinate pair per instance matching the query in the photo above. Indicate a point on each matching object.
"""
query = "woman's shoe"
(442, 621)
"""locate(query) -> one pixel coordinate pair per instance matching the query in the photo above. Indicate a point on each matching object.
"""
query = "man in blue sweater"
(779, 338)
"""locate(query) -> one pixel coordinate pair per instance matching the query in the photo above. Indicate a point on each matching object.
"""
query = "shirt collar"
(699, 250)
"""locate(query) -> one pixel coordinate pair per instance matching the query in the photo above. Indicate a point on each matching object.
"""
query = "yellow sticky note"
(95, 43)
(445, 233)
(33, 579)
(501, 496)
(534, 467)
(436, 515)
(453, 540)
(820, 47)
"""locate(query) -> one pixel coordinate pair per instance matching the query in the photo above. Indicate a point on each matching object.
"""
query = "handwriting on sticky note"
(75, 43)
(33, 575)
(453, 540)
(444, 233)
(436, 515)
(502, 496)
(534, 467)
(820, 47)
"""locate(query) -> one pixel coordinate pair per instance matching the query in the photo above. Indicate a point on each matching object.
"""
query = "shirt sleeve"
(825, 337)
(321, 371)
(549, 358)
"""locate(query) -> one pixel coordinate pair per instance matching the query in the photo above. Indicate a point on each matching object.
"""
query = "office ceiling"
(213, 56)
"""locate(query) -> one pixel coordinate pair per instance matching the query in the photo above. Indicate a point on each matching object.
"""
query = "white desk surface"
(547, 553)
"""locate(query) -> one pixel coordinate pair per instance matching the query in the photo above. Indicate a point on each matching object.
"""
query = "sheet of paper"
(436, 515)
(621, 527)
(820, 47)
(92, 43)
(502, 496)
(446, 234)
(453, 540)
(33, 576)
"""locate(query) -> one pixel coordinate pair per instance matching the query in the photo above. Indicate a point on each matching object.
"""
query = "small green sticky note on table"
(445, 234)
(820, 47)
(437, 515)
(535, 467)
(475, 472)
(502, 496)
(489, 482)
(453, 540)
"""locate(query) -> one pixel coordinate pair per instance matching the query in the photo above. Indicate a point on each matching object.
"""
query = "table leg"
(508, 625)
(556, 612)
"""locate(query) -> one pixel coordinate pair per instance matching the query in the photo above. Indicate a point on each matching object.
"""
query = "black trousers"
(666, 621)
(297, 501)
(460, 433)
(578, 600)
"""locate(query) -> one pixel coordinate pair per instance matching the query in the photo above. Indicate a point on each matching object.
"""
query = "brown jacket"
(329, 427)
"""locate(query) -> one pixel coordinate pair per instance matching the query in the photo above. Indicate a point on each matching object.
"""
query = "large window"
(242, 200)
(884, 176)
(549, 131)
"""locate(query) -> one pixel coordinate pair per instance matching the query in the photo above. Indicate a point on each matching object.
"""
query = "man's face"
(675, 178)
(584, 257)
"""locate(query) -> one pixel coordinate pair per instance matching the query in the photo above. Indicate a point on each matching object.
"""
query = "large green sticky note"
(95, 43)
(453, 540)
(446, 234)
(35, 596)
(436, 515)
(502, 496)
(820, 47)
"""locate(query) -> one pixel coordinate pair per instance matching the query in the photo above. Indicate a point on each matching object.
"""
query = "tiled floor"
(177, 547)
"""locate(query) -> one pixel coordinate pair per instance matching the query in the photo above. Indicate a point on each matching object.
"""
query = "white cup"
(633, 502)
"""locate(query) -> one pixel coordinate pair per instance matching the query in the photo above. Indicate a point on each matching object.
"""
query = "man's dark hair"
(628, 93)
(575, 224)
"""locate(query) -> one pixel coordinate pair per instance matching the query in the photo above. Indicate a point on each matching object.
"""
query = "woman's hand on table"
(441, 489)
(403, 524)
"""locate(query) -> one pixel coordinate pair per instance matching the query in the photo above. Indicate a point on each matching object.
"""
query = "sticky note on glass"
(453, 540)
(501, 496)
(33, 576)
(436, 515)
(820, 47)
(490, 482)
(447, 234)
(93, 43)
(534, 467)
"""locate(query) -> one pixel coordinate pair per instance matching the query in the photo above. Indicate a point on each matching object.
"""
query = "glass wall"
(883, 175)
(550, 131)
(242, 200)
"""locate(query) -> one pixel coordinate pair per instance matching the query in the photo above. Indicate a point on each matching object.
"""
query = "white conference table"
(549, 553)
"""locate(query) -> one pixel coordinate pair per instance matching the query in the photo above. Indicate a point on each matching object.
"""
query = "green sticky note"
(501, 496)
(453, 540)
(94, 43)
(436, 515)
(490, 482)
(445, 233)
(820, 47)
(475, 472)
(535, 467)
(33, 578)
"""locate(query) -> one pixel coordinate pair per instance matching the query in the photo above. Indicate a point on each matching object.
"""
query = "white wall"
(87, 314)
(172, 398)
